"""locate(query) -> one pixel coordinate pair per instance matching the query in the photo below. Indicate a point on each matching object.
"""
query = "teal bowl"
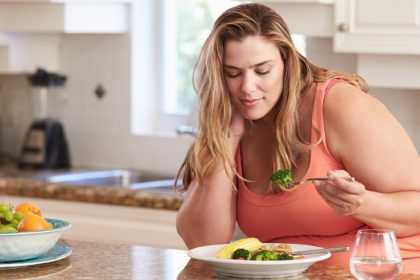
(18, 246)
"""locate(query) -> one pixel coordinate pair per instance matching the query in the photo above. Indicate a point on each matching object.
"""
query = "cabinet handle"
(343, 27)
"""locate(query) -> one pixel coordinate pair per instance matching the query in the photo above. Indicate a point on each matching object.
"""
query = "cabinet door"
(377, 26)
(39, 17)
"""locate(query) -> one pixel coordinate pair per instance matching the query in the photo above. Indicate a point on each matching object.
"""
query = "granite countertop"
(91, 260)
(17, 186)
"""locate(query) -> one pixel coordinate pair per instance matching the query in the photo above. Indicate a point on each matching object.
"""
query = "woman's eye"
(262, 72)
(232, 75)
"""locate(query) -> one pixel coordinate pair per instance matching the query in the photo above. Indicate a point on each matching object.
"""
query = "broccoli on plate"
(265, 255)
(241, 254)
(284, 256)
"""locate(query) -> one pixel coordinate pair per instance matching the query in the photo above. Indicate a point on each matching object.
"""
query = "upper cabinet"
(313, 18)
(383, 35)
(65, 16)
(377, 26)
(31, 30)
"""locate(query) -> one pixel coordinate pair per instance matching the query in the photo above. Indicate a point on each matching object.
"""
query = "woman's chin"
(253, 117)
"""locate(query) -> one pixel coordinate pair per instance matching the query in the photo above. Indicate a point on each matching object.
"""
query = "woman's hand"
(237, 127)
(343, 196)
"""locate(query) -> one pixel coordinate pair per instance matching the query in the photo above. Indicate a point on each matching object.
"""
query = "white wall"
(15, 112)
(404, 105)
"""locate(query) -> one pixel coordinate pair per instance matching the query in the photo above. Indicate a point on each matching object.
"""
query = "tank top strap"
(330, 83)
(318, 129)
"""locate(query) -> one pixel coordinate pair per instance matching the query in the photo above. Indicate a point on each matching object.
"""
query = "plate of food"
(249, 258)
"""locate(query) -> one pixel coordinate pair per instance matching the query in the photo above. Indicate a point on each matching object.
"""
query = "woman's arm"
(208, 213)
(376, 150)
(397, 211)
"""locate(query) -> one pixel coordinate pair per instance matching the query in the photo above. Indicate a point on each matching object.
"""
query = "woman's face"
(253, 71)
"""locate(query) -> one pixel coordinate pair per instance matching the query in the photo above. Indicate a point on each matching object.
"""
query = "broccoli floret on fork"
(282, 177)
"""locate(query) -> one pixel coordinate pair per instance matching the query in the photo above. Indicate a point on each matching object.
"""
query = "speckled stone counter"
(104, 195)
(106, 261)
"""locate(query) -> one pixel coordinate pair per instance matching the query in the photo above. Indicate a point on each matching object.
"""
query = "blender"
(45, 145)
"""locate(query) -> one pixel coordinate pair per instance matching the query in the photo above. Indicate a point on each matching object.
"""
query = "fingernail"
(331, 177)
(317, 183)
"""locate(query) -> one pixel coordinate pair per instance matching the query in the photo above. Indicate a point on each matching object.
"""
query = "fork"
(321, 251)
(323, 179)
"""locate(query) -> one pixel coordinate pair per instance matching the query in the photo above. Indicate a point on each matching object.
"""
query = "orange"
(28, 207)
(33, 222)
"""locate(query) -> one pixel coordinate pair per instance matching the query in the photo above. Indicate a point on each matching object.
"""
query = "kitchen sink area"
(111, 178)
(114, 178)
(140, 204)
(122, 187)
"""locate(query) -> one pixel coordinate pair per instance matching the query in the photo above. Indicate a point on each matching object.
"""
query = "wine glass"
(375, 255)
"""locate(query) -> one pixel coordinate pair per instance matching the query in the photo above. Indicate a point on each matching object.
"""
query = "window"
(167, 36)
(186, 30)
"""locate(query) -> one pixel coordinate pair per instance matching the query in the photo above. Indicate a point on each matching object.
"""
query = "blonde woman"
(265, 107)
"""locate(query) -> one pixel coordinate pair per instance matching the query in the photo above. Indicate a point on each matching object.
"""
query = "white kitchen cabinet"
(24, 52)
(110, 223)
(31, 31)
(64, 16)
(377, 26)
(313, 18)
(384, 36)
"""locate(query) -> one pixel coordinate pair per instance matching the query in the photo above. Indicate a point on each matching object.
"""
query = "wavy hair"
(215, 109)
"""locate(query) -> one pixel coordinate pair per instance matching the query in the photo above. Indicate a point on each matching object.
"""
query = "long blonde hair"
(215, 108)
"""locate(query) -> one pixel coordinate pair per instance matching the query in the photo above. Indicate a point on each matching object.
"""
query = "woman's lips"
(250, 102)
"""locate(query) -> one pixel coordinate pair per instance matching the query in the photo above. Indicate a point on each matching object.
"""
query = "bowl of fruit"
(25, 233)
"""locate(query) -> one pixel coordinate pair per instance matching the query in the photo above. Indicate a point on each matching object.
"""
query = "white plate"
(256, 269)
(58, 252)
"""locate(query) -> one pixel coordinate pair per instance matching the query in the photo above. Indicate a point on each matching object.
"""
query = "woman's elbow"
(195, 235)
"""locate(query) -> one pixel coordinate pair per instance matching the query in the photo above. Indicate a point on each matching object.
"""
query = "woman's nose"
(248, 83)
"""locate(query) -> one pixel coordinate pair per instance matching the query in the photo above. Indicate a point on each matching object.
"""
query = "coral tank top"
(302, 216)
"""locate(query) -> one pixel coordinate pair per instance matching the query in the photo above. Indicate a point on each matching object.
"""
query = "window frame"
(148, 20)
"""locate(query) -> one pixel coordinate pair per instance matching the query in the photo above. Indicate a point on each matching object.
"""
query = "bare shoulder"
(369, 140)
(346, 104)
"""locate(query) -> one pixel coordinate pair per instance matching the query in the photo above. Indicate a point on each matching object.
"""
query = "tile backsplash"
(97, 129)
(15, 112)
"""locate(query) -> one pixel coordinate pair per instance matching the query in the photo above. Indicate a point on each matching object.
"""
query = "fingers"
(343, 196)
(336, 194)
(339, 178)
(340, 207)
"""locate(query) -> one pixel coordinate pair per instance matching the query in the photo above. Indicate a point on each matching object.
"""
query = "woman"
(265, 107)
